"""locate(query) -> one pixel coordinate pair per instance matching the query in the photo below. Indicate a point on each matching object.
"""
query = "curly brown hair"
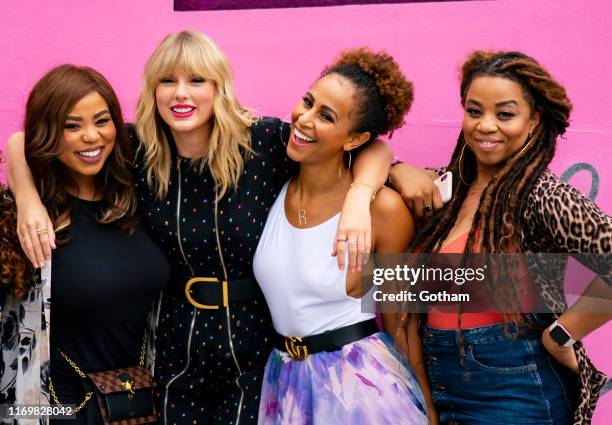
(384, 93)
(498, 217)
(15, 270)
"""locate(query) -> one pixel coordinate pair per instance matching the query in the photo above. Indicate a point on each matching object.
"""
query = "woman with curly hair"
(208, 170)
(106, 270)
(330, 363)
(15, 272)
(506, 200)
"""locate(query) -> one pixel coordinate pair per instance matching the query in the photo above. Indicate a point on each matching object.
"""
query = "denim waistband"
(484, 333)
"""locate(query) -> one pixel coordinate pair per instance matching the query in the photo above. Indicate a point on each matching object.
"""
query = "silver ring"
(351, 242)
(427, 208)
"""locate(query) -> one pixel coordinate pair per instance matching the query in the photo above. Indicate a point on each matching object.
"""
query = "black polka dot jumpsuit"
(209, 363)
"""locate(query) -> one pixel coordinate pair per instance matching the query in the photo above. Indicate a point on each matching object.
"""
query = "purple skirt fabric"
(366, 382)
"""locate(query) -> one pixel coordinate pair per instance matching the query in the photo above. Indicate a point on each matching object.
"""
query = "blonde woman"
(208, 173)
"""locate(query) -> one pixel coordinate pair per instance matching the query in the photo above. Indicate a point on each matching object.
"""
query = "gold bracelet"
(356, 185)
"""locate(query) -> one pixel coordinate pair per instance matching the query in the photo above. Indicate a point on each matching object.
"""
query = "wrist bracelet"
(360, 186)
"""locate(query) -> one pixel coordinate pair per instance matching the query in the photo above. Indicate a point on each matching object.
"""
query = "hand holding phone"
(445, 186)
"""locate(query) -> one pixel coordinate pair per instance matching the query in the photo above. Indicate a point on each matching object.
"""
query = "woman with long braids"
(505, 200)
(208, 173)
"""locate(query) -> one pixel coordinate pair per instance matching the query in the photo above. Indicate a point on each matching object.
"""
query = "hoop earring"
(460, 166)
(529, 140)
(350, 160)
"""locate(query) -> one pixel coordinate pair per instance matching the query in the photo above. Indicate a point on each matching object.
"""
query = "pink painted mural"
(277, 53)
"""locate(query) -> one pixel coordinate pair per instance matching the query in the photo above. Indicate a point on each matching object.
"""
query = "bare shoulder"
(389, 203)
(392, 223)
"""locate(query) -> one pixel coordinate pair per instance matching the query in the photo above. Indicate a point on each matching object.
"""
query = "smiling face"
(497, 119)
(322, 122)
(88, 139)
(185, 103)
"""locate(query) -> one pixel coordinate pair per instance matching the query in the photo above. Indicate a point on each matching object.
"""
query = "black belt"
(299, 347)
(211, 293)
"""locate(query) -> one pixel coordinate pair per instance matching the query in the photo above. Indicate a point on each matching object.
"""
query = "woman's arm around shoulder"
(31, 214)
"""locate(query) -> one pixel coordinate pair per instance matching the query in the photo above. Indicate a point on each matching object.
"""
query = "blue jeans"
(503, 380)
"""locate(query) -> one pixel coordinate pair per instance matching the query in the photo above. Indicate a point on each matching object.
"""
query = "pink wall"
(277, 53)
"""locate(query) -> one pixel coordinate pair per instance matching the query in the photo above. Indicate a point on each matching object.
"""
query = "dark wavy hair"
(15, 269)
(49, 103)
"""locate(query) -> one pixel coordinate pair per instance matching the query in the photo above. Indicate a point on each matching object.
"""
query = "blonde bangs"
(179, 56)
(195, 54)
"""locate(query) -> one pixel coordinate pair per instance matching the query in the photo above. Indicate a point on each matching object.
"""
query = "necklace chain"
(301, 212)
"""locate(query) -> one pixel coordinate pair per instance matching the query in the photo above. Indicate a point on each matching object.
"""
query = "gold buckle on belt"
(194, 303)
(295, 349)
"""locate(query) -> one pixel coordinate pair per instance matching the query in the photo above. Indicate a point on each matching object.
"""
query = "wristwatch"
(560, 335)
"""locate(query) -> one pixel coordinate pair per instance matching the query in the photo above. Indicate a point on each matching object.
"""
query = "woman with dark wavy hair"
(106, 271)
(506, 200)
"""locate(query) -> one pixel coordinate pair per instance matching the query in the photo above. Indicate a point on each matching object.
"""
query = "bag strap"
(78, 370)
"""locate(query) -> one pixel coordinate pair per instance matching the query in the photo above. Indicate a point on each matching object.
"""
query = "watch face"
(559, 335)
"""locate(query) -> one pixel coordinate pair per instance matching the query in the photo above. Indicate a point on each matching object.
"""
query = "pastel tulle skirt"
(366, 382)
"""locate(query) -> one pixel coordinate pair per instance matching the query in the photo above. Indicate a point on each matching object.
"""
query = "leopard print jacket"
(559, 219)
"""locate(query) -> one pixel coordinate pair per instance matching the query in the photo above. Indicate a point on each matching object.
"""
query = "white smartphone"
(445, 186)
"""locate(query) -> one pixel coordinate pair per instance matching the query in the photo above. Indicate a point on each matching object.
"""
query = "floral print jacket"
(24, 344)
(24, 341)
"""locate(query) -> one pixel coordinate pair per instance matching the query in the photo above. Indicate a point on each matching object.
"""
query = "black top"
(4, 291)
(241, 213)
(103, 282)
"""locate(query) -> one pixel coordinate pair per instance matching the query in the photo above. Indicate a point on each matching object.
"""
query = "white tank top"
(305, 290)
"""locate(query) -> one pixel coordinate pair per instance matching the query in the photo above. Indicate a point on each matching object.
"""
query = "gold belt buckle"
(213, 280)
(295, 348)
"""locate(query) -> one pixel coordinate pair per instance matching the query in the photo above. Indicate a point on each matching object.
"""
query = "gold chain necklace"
(301, 212)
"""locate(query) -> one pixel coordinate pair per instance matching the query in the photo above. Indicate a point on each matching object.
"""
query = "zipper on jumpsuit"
(191, 326)
(178, 236)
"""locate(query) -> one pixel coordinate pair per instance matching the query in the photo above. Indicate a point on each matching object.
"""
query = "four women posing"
(208, 172)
